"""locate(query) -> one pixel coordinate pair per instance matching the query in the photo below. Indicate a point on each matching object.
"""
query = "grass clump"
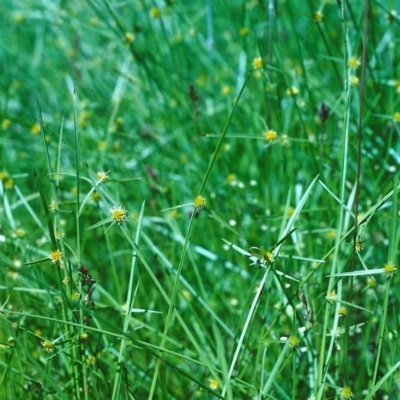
(199, 200)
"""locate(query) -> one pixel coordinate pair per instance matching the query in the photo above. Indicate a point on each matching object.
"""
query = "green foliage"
(115, 283)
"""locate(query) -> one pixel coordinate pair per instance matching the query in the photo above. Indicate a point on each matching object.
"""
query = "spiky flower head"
(270, 135)
(55, 257)
(389, 270)
(118, 214)
(345, 393)
(317, 16)
(257, 62)
(48, 346)
(200, 202)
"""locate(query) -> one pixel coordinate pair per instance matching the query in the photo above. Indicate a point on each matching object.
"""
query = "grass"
(156, 243)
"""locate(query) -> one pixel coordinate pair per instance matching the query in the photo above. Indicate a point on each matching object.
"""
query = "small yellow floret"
(35, 128)
(75, 296)
(226, 90)
(389, 269)
(129, 37)
(55, 256)
(244, 31)
(354, 80)
(318, 16)
(213, 384)
(200, 202)
(270, 135)
(342, 312)
(118, 214)
(354, 62)
(396, 117)
(294, 341)
(101, 176)
(155, 12)
(48, 346)
(345, 393)
(331, 296)
(257, 62)
(91, 360)
(292, 91)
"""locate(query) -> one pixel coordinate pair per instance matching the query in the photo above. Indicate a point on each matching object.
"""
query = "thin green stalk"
(223, 134)
(381, 333)
(323, 358)
(171, 306)
(275, 370)
(129, 305)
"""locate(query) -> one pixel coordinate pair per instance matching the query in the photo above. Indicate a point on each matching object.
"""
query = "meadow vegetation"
(199, 200)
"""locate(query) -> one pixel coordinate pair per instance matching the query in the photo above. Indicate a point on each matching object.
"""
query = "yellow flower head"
(83, 337)
(345, 393)
(389, 270)
(102, 176)
(396, 117)
(213, 384)
(226, 90)
(55, 256)
(155, 12)
(292, 91)
(354, 80)
(342, 312)
(200, 202)
(129, 37)
(48, 346)
(354, 62)
(331, 296)
(257, 62)
(270, 135)
(244, 31)
(75, 296)
(294, 341)
(317, 16)
(118, 214)
(35, 129)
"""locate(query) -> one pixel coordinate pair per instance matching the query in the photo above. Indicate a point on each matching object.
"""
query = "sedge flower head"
(359, 246)
(226, 90)
(257, 62)
(342, 312)
(200, 202)
(345, 393)
(292, 91)
(5, 124)
(317, 16)
(35, 129)
(91, 360)
(83, 337)
(55, 256)
(354, 80)
(129, 37)
(331, 296)
(213, 384)
(75, 296)
(396, 117)
(118, 214)
(244, 31)
(9, 183)
(155, 12)
(294, 341)
(354, 62)
(389, 269)
(48, 346)
(270, 135)
(101, 176)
